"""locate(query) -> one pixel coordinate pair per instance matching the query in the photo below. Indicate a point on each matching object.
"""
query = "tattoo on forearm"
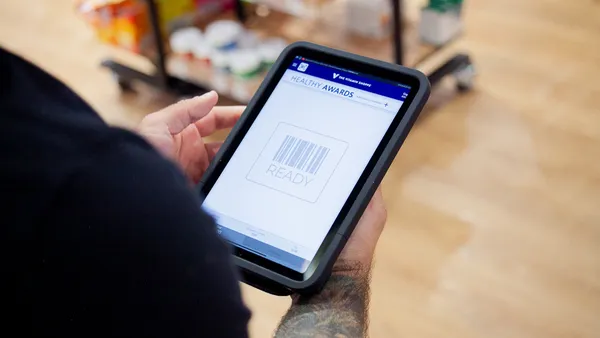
(340, 310)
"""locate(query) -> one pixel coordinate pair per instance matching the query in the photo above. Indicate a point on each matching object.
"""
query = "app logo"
(335, 75)
(302, 67)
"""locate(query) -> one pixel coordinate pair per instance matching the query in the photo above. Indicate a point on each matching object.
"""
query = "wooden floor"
(494, 201)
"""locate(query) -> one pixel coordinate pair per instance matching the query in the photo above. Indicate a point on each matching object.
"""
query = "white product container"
(245, 63)
(437, 27)
(184, 40)
(224, 34)
(219, 60)
(270, 49)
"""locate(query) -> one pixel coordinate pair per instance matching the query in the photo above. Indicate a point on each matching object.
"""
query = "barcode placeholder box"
(297, 162)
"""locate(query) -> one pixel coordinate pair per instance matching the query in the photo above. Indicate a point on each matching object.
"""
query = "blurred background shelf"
(185, 76)
(204, 76)
(335, 34)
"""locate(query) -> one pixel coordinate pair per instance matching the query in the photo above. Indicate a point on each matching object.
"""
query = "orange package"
(122, 23)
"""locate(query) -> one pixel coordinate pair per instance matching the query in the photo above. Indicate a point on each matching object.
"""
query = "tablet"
(297, 171)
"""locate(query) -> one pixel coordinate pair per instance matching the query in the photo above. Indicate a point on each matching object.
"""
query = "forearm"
(339, 310)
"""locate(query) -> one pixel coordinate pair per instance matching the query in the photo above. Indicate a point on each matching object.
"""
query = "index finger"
(221, 117)
(178, 116)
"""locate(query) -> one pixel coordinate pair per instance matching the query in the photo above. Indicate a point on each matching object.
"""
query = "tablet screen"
(290, 176)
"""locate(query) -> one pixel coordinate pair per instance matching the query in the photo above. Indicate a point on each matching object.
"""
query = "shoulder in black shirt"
(100, 234)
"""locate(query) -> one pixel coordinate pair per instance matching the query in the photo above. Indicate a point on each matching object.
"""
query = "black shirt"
(100, 234)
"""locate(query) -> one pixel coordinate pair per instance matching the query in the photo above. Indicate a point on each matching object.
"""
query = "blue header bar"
(349, 79)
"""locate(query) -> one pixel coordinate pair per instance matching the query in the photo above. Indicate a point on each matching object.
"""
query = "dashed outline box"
(285, 192)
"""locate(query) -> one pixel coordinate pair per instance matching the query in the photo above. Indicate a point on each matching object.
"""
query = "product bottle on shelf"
(440, 21)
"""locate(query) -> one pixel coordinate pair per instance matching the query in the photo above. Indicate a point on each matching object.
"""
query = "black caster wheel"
(124, 85)
(465, 78)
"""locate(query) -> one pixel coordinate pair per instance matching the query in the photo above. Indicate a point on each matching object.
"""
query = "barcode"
(301, 154)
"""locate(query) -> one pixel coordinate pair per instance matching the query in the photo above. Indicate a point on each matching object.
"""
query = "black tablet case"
(278, 284)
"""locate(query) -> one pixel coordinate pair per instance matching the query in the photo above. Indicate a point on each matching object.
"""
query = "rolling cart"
(458, 66)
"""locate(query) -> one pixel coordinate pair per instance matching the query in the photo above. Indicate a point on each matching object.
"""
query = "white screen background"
(360, 126)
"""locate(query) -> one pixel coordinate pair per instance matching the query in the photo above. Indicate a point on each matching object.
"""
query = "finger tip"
(211, 95)
(208, 99)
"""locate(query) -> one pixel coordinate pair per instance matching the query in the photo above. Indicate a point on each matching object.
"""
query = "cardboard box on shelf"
(123, 23)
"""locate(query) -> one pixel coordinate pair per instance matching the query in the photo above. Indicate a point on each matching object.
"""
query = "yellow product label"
(170, 10)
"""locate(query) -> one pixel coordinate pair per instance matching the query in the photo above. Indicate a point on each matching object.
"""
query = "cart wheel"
(124, 85)
(465, 77)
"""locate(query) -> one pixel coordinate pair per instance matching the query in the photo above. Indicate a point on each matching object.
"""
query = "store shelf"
(336, 35)
(185, 76)
(292, 28)
(302, 9)
(204, 75)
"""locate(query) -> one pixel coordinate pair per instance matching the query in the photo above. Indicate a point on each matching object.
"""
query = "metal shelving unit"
(459, 65)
